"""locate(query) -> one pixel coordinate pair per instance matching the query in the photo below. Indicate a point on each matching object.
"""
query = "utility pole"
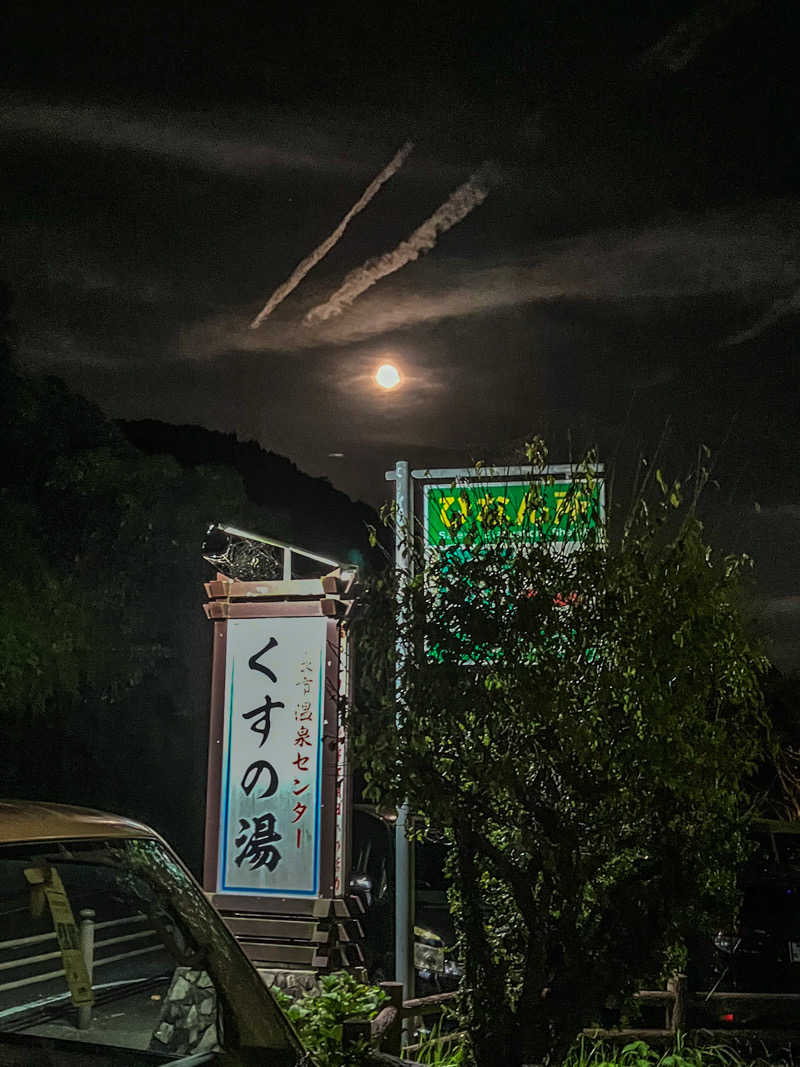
(404, 848)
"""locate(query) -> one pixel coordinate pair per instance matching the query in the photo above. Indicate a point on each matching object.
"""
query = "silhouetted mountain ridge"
(322, 519)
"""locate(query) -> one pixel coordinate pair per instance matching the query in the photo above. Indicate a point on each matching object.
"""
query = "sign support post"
(277, 822)
(404, 847)
(444, 510)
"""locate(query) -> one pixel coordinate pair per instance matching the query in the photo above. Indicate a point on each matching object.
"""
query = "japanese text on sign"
(490, 512)
(269, 824)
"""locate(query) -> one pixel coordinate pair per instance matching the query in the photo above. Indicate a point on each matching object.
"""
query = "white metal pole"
(404, 849)
(86, 942)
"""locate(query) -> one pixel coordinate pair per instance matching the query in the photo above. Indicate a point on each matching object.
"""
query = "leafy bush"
(640, 1054)
(589, 711)
(439, 1049)
(318, 1017)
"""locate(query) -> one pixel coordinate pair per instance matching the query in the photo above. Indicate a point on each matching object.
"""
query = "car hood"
(433, 914)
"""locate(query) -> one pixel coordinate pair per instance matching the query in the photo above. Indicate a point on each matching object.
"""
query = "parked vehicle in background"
(110, 954)
(760, 952)
(372, 879)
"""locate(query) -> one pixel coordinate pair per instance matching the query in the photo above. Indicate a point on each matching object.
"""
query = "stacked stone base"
(294, 982)
(188, 1021)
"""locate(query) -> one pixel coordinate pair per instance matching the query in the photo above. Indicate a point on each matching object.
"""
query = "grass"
(435, 1053)
(440, 1048)
(640, 1054)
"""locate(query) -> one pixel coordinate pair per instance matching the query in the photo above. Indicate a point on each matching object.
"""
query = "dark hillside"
(321, 518)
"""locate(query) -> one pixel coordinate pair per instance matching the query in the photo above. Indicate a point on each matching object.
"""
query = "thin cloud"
(306, 265)
(779, 310)
(692, 258)
(457, 206)
(208, 143)
(48, 349)
(678, 48)
(783, 606)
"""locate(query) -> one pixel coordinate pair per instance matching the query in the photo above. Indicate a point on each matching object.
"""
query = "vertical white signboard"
(272, 757)
(341, 852)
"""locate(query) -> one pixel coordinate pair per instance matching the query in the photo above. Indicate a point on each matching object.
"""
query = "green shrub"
(318, 1017)
(435, 1050)
(640, 1054)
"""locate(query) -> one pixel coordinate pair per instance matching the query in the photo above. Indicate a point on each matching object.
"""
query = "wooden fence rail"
(385, 1031)
(680, 1004)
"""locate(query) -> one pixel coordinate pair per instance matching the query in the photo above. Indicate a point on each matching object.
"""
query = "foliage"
(102, 633)
(318, 1017)
(104, 646)
(640, 1054)
(589, 714)
(440, 1049)
(778, 780)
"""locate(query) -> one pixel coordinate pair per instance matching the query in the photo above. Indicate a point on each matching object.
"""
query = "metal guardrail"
(90, 945)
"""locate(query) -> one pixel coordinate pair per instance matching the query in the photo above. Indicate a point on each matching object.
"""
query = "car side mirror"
(360, 885)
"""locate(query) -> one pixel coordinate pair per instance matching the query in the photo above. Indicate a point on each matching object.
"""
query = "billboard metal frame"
(404, 480)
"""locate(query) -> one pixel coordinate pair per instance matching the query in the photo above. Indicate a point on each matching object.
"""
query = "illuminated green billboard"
(494, 512)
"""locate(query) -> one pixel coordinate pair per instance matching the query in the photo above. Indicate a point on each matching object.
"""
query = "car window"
(429, 865)
(372, 850)
(773, 852)
(144, 984)
(788, 846)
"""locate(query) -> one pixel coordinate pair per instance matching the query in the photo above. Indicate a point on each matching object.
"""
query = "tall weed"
(640, 1054)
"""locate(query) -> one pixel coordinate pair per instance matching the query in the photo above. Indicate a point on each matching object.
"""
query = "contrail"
(684, 41)
(302, 269)
(773, 315)
(453, 210)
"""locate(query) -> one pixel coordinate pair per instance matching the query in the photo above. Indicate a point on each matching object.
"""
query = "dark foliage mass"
(581, 722)
(104, 646)
(318, 515)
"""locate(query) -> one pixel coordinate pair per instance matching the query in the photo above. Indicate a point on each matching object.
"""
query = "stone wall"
(188, 1021)
(293, 982)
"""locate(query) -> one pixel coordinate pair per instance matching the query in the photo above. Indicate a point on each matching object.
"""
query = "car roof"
(26, 820)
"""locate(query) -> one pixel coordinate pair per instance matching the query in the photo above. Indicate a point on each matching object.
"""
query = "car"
(760, 952)
(372, 879)
(111, 955)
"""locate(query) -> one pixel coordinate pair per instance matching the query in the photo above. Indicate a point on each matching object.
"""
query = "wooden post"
(388, 1027)
(354, 1031)
(676, 1018)
(86, 940)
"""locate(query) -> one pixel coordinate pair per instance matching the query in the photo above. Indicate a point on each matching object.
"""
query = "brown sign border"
(331, 730)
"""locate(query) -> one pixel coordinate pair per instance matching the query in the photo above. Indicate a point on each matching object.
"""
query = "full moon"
(388, 376)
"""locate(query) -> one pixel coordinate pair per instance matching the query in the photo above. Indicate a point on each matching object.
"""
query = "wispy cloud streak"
(744, 256)
(303, 268)
(214, 143)
(779, 310)
(679, 47)
(457, 206)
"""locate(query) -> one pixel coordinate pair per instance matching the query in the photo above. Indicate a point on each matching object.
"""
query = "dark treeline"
(105, 652)
(105, 649)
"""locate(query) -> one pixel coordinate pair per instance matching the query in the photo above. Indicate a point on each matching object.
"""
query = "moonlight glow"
(388, 376)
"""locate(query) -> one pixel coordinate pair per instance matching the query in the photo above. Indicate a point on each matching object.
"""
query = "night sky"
(633, 275)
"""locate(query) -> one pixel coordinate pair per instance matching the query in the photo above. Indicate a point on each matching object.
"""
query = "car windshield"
(430, 861)
(788, 846)
(109, 951)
